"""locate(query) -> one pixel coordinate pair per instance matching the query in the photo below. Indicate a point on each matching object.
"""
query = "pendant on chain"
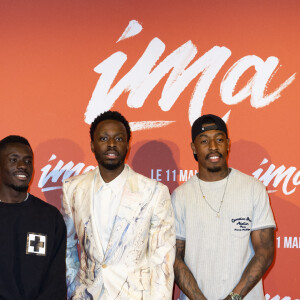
(216, 211)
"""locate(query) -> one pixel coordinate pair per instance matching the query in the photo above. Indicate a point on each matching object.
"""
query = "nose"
(21, 164)
(213, 145)
(111, 143)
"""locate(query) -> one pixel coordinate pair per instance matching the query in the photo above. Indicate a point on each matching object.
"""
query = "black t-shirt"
(32, 251)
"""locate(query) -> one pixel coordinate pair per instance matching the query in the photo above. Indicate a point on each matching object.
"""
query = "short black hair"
(110, 115)
(11, 139)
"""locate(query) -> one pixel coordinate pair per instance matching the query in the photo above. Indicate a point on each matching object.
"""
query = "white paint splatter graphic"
(135, 126)
(133, 28)
(146, 74)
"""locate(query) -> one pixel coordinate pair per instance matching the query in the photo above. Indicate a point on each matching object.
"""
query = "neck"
(207, 175)
(109, 175)
(12, 196)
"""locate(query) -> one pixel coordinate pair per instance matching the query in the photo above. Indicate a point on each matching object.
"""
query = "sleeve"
(54, 283)
(162, 245)
(179, 213)
(72, 260)
(262, 213)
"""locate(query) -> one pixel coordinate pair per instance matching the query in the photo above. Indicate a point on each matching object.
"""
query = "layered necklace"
(221, 203)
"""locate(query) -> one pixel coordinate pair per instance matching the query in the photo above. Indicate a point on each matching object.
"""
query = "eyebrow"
(106, 133)
(17, 155)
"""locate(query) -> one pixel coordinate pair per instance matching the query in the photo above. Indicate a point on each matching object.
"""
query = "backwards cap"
(198, 128)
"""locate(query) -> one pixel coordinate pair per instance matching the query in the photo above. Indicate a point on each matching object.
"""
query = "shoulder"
(242, 178)
(44, 207)
(142, 180)
(79, 179)
(186, 186)
(185, 191)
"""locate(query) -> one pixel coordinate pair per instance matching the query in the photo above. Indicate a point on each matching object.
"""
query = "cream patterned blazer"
(138, 261)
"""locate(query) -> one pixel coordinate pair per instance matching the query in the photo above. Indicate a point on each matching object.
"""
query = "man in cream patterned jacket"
(123, 221)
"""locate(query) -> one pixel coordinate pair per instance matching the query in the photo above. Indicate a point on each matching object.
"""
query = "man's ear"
(194, 151)
(193, 147)
(92, 147)
(228, 145)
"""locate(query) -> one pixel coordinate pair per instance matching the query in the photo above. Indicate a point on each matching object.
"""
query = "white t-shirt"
(217, 249)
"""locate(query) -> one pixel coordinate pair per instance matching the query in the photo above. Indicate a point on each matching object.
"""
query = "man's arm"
(183, 276)
(162, 246)
(54, 283)
(72, 260)
(263, 245)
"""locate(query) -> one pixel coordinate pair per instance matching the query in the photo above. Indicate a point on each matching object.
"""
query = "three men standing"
(224, 223)
(124, 223)
(33, 233)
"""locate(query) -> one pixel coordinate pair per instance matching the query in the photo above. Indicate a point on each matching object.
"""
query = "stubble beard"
(112, 165)
(215, 169)
(19, 188)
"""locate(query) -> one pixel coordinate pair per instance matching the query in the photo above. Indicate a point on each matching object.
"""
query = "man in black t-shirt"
(32, 232)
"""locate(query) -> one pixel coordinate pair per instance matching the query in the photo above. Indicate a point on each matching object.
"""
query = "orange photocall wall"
(161, 64)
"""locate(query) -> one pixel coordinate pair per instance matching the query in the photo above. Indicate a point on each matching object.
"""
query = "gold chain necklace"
(221, 203)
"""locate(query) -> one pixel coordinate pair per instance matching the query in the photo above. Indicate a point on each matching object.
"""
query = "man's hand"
(263, 245)
(183, 276)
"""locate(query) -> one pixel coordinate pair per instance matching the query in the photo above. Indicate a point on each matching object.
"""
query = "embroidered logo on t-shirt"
(36, 243)
(242, 224)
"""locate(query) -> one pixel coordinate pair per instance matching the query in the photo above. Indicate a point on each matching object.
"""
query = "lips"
(214, 157)
(21, 175)
(111, 154)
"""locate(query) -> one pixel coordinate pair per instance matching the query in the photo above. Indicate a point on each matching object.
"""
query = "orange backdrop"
(161, 64)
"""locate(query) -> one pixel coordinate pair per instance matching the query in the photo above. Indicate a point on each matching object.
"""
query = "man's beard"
(19, 188)
(112, 166)
(215, 169)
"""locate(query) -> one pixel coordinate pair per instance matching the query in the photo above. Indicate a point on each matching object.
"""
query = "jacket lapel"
(86, 192)
(96, 181)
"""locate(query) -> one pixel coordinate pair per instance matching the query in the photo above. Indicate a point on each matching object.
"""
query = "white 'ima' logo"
(147, 73)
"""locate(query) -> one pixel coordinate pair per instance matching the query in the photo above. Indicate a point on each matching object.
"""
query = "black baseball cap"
(197, 127)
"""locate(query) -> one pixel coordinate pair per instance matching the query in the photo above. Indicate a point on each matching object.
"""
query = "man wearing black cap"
(224, 223)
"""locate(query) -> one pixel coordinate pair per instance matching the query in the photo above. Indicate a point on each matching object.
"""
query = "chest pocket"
(241, 225)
